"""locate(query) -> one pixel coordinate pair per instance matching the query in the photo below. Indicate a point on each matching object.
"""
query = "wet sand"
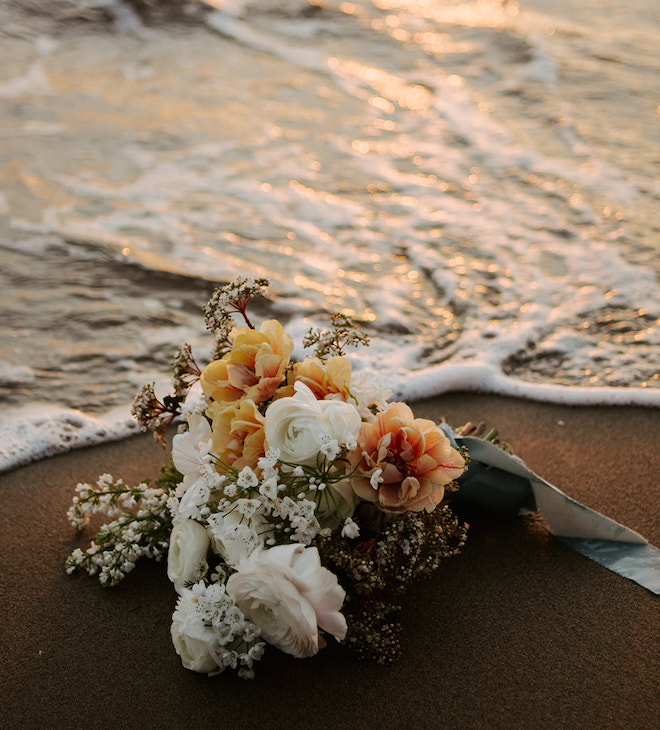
(518, 631)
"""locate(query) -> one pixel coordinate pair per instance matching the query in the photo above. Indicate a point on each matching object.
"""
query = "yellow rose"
(238, 434)
(324, 378)
(254, 368)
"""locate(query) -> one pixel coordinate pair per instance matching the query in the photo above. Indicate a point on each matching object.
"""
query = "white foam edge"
(38, 430)
(486, 378)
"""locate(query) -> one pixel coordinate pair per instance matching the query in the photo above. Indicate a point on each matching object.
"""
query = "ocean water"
(477, 183)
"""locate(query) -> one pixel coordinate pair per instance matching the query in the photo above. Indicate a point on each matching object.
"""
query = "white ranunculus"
(192, 639)
(186, 559)
(289, 595)
(190, 448)
(300, 425)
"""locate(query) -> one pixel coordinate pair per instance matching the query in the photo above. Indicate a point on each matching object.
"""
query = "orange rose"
(238, 434)
(254, 367)
(406, 462)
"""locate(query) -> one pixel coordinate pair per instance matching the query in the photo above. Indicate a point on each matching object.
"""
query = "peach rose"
(254, 367)
(406, 462)
(238, 434)
(329, 378)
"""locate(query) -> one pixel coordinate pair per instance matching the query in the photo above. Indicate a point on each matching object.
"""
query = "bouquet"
(298, 504)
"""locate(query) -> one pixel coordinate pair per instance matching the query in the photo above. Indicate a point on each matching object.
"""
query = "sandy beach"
(518, 631)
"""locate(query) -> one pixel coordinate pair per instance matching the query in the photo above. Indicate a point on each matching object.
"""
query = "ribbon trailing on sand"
(501, 484)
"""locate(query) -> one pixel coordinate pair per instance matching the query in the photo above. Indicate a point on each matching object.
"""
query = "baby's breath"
(344, 333)
(233, 298)
(153, 414)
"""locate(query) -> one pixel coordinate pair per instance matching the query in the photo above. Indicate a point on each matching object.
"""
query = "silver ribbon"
(500, 482)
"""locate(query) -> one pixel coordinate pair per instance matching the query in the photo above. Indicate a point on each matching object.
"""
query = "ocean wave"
(442, 172)
(37, 431)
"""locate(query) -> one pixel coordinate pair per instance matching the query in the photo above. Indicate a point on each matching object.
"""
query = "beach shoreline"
(519, 630)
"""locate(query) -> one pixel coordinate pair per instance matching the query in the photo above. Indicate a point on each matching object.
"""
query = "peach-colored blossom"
(406, 462)
(254, 368)
(331, 377)
(238, 434)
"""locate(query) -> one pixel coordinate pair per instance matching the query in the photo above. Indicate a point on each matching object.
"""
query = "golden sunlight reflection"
(483, 13)
(389, 87)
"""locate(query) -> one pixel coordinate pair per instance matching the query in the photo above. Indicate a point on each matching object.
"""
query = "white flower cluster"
(140, 530)
(210, 633)
(369, 396)
(108, 497)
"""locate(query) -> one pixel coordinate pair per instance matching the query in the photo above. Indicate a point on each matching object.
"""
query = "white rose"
(192, 639)
(300, 425)
(289, 595)
(186, 559)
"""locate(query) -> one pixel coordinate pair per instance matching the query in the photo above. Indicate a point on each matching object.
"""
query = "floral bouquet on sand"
(297, 504)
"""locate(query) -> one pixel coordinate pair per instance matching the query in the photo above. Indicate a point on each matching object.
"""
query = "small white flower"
(257, 651)
(269, 459)
(213, 478)
(306, 508)
(285, 508)
(376, 479)
(329, 447)
(234, 618)
(269, 488)
(350, 529)
(228, 658)
(247, 479)
(250, 633)
(248, 507)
